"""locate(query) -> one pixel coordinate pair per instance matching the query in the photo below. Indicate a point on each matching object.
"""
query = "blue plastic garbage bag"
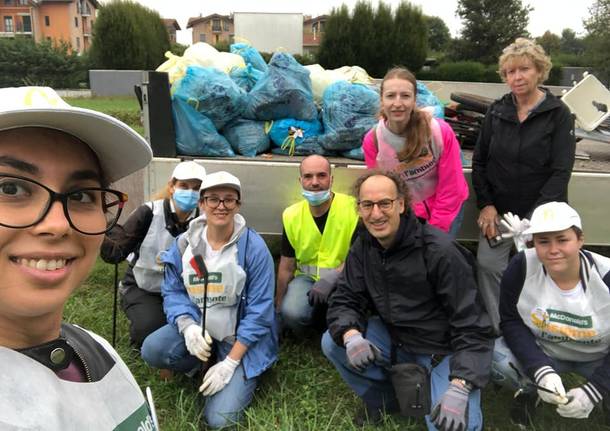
(211, 92)
(250, 55)
(283, 92)
(196, 134)
(355, 153)
(307, 147)
(246, 77)
(247, 137)
(290, 133)
(348, 112)
(427, 98)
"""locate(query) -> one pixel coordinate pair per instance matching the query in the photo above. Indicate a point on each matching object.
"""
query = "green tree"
(177, 48)
(570, 44)
(550, 42)
(24, 62)
(336, 49)
(383, 41)
(438, 34)
(363, 34)
(410, 35)
(491, 25)
(127, 35)
(598, 29)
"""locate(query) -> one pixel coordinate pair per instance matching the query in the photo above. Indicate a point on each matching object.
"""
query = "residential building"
(212, 29)
(216, 28)
(172, 26)
(313, 32)
(67, 21)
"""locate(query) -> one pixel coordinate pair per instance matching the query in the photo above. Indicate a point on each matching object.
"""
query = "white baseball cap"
(221, 178)
(189, 171)
(553, 217)
(119, 149)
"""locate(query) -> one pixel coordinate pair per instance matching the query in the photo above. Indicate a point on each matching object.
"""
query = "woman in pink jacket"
(422, 149)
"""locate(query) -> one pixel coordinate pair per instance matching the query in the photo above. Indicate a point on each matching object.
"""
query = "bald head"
(315, 173)
(315, 162)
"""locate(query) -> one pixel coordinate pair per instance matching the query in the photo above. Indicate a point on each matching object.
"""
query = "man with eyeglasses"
(408, 296)
(315, 240)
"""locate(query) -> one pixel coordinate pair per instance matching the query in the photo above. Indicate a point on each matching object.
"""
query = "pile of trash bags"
(227, 104)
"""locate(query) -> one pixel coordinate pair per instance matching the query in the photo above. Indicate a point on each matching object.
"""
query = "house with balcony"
(313, 32)
(212, 29)
(172, 26)
(69, 21)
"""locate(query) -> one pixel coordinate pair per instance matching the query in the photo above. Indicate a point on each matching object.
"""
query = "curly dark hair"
(401, 186)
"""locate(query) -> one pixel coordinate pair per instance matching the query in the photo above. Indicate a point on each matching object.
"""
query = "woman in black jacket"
(523, 157)
(149, 230)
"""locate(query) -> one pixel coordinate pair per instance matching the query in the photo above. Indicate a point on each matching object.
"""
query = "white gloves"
(515, 227)
(582, 401)
(196, 343)
(549, 379)
(218, 376)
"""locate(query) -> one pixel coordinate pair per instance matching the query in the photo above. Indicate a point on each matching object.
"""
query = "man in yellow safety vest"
(315, 241)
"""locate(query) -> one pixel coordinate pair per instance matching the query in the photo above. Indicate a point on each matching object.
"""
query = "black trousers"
(145, 313)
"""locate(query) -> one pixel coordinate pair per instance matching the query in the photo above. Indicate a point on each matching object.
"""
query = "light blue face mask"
(186, 199)
(316, 199)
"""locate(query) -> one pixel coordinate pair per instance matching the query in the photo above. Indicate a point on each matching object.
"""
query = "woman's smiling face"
(41, 265)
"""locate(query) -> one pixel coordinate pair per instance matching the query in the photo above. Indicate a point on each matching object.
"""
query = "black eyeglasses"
(89, 210)
(214, 202)
(383, 204)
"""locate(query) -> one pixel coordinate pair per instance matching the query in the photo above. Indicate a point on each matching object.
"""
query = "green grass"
(301, 392)
(125, 108)
(105, 104)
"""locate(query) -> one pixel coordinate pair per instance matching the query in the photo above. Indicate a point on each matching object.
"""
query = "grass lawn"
(301, 392)
(106, 104)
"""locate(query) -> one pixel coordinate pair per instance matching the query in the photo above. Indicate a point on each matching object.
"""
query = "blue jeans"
(505, 375)
(165, 348)
(456, 224)
(295, 311)
(373, 384)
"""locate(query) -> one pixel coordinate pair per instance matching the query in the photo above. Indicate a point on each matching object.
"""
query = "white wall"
(269, 32)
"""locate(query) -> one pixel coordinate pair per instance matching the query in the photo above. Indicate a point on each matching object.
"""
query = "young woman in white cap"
(224, 268)
(554, 308)
(148, 231)
(56, 163)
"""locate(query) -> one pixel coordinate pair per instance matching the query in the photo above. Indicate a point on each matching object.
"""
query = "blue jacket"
(256, 326)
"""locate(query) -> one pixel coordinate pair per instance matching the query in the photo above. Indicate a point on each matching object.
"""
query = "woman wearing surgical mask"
(149, 230)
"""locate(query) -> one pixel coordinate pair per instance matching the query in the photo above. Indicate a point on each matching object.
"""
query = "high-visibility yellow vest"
(316, 253)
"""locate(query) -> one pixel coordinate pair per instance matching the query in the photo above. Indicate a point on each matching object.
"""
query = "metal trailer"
(271, 184)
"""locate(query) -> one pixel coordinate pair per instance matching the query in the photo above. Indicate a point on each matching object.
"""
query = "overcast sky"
(554, 15)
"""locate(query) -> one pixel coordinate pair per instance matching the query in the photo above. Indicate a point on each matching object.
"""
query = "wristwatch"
(463, 383)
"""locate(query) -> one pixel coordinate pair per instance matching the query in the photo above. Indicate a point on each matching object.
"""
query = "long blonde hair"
(418, 127)
(165, 192)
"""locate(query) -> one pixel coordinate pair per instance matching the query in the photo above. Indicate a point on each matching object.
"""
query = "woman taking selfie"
(56, 163)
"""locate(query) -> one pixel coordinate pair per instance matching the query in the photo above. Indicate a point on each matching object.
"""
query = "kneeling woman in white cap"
(554, 308)
(224, 268)
(56, 163)
(148, 231)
